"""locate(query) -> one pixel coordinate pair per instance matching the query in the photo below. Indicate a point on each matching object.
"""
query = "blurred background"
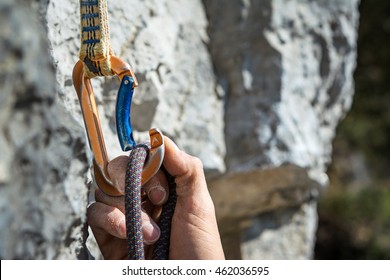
(354, 213)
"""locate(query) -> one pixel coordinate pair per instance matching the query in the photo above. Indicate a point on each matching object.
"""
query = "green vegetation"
(356, 225)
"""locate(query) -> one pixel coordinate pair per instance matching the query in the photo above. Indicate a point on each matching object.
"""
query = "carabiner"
(87, 100)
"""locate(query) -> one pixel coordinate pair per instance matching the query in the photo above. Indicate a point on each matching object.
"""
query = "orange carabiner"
(89, 109)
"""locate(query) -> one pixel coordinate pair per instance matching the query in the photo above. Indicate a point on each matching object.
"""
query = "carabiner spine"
(94, 131)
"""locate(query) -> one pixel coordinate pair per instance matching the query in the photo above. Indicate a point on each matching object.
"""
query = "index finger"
(156, 188)
(117, 170)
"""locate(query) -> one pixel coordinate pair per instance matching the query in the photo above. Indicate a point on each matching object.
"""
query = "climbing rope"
(135, 243)
(161, 248)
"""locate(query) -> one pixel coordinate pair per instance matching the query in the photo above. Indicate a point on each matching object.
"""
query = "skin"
(194, 226)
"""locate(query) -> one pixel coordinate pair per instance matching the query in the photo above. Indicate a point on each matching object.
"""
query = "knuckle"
(196, 163)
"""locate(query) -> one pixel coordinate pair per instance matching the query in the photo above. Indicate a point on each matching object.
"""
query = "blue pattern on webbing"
(88, 2)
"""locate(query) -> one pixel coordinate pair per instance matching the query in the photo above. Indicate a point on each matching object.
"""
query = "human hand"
(194, 232)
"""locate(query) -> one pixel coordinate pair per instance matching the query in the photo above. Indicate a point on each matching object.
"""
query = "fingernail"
(157, 194)
(121, 227)
(151, 232)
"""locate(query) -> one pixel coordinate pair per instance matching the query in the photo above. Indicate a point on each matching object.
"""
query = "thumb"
(178, 163)
(187, 170)
(175, 160)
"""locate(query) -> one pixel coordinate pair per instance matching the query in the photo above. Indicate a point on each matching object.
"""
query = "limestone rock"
(253, 88)
(283, 234)
(42, 163)
(286, 68)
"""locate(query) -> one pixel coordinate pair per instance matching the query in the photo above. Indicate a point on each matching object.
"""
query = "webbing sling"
(95, 47)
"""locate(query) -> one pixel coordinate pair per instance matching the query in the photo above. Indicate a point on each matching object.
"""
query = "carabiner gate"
(89, 109)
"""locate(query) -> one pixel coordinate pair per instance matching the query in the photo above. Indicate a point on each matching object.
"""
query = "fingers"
(108, 218)
(187, 170)
(114, 201)
(156, 188)
(112, 221)
(117, 170)
(174, 159)
(150, 229)
(179, 163)
(119, 202)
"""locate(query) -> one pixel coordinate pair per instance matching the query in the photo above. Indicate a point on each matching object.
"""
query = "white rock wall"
(42, 149)
(287, 70)
(253, 88)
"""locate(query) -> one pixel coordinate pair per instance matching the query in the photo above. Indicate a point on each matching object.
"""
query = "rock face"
(43, 160)
(286, 68)
(253, 88)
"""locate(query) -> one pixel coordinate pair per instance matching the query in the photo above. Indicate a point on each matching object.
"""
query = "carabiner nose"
(155, 156)
(125, 130)
(87, 100)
